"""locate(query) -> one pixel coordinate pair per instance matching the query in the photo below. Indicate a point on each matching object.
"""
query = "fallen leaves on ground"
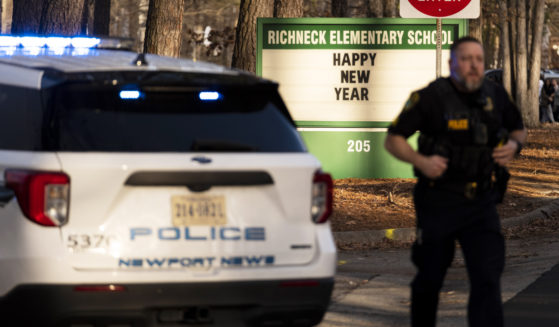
(366, 204)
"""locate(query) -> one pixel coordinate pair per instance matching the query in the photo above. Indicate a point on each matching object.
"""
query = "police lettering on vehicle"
(199, 234)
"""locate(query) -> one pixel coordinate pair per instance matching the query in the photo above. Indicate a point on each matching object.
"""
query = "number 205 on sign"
(358, 145)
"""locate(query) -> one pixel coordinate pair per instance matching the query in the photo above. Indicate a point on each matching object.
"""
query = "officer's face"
(467, 66)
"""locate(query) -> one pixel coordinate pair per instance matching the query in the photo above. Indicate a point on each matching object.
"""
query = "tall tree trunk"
(531, 116)
(61, 17)
(128, 19)
(376, 8)
(339, 8)
(391, 8)
(87, 18)
(26, 16)
(521, 58)
(7, 10)
(548, 53)
(164, 27)
(244, 52)
(491, 36)
(102, 17)
(525, 53)
(512, 15)
(476, 27)
(529, 26)
(505, 45)
(137, 29)
(288, 8)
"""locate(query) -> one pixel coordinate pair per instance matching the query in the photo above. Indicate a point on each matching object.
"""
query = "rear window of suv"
(86, 117)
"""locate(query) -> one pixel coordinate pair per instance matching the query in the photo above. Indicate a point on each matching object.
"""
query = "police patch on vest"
(458, 124)
(488, 104)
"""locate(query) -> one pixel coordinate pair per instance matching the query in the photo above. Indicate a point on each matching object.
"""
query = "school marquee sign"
(344, 80)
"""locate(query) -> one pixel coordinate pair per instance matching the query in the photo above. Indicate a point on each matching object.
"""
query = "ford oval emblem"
(202, 160)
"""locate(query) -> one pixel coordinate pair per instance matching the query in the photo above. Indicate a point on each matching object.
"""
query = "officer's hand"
(432, 166)
(505, 153)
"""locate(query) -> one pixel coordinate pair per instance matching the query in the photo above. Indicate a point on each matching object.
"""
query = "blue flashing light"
(58, 42)
(32, 41)
(50, 42)
(9, 41)
(85, 42)
(130, 95)
(209, 95)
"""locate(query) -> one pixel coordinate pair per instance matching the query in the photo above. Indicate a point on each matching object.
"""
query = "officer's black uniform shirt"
(425, 112)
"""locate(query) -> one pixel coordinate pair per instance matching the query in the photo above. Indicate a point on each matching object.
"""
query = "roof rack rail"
(116, 43)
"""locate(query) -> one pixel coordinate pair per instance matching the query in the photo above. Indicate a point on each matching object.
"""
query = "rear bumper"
(258, 303)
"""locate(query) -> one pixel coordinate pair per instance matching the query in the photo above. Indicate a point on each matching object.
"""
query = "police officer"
(469, 130)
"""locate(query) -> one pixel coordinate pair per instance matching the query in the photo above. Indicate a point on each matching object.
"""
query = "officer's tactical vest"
(470, 134)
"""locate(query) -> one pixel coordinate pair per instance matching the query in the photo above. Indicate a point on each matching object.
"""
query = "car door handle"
(6, 195)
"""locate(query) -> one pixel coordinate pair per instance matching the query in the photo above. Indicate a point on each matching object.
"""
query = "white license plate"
(198, 210)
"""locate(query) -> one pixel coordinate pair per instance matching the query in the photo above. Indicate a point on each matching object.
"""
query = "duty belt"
(469, 189)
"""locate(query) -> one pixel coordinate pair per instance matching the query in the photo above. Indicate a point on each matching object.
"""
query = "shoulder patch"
(412, 101)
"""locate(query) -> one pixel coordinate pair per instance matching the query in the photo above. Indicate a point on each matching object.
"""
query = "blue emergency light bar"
(51, 42)
(130, 94)
(209, 95)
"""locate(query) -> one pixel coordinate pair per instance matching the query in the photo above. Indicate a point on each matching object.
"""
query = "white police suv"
(139, 190)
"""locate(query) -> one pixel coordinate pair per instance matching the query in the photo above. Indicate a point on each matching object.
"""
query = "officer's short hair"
(461, 40)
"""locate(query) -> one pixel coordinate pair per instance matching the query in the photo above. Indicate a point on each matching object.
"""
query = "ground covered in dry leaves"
(363, 204)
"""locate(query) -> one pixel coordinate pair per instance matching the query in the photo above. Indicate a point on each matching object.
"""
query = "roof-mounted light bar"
(58, 42)
(51, 42)
(9, 41)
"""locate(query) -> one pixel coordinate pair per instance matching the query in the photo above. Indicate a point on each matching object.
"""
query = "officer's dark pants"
(475, 224)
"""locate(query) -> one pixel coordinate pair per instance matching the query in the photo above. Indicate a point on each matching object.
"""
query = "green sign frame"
(348, 144)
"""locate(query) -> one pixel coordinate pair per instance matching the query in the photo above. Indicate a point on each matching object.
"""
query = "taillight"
(44, 197)
(321, 197)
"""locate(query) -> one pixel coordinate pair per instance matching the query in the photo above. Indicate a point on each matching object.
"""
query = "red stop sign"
(439, 8)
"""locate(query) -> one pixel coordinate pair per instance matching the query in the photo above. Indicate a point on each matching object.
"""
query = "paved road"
(372, 287)
(537, 305)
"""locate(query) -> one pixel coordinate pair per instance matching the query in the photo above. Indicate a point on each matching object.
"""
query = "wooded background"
(520, 36)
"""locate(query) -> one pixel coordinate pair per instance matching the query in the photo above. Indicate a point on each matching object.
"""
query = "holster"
(501, 181)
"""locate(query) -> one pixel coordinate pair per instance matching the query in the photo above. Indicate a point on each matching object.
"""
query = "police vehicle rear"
(141, 190)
